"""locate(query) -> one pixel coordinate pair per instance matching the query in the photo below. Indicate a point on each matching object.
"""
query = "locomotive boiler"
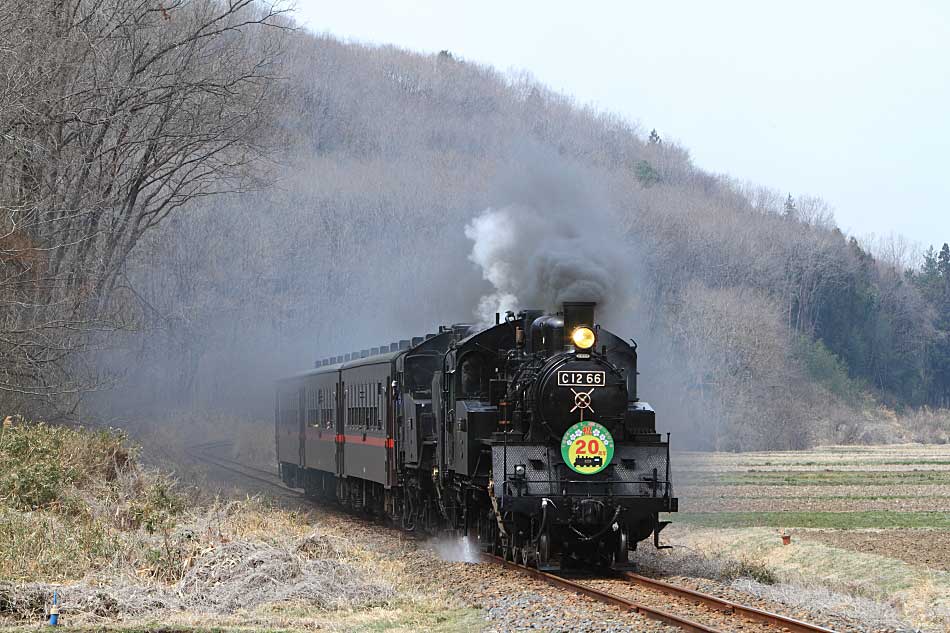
(528, 434)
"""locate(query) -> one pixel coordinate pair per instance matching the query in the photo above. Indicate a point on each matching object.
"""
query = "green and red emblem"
(587, 448)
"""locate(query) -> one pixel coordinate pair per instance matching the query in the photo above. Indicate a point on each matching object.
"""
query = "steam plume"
(538, 253)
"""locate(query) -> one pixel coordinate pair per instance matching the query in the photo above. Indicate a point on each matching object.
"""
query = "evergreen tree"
(654, 137)
(791, 211)
(933, 280)
(645, 173)
(929, 280)
(943, 263)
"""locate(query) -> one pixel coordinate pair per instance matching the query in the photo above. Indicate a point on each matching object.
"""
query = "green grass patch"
(815, 478)
(698, 495)
(856, 462)
(830, 520)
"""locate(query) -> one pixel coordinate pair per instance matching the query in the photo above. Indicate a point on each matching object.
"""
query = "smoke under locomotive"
(529, 434)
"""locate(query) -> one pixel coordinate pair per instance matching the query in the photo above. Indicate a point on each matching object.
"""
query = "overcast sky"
(849, 101)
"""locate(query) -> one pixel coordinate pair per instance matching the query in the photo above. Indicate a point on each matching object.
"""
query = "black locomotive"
(528, 433)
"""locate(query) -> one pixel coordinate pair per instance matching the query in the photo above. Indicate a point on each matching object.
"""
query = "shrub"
(830, 371)
(156, 509)
(38, 462)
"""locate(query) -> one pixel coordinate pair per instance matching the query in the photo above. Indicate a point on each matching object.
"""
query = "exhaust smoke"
(554, 243)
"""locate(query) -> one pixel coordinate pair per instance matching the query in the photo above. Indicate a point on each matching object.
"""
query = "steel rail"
(608, 598)
(205, 447)
(198, 454)
(726, 606)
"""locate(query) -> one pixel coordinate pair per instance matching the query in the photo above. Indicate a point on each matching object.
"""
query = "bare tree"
(117, 114)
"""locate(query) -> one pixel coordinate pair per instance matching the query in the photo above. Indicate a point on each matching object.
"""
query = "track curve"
(605, 589)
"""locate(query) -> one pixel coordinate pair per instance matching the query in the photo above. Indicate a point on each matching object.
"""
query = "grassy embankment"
(127, 548)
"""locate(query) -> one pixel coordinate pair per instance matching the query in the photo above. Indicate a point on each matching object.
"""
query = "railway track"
(726, 606)
(683, 608)
(686, 609)
(207, 453)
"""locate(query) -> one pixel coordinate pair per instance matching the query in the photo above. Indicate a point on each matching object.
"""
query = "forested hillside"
(345, 177)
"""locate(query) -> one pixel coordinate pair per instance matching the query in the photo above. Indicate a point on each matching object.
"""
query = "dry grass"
(126, 544)
(928, 426)
(876, 591)
(738, 504)
(880, 425)
(871, 588)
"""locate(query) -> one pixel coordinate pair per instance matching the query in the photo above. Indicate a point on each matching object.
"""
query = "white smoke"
(539, 258)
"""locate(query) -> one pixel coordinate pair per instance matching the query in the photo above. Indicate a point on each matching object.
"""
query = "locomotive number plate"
(581, 378)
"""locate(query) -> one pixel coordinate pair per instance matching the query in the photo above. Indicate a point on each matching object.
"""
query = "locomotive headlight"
(583, 338)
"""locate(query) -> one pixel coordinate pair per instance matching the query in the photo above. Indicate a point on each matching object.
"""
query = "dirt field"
(871, 522)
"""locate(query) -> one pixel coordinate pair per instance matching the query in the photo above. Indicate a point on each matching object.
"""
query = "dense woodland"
(195, 198)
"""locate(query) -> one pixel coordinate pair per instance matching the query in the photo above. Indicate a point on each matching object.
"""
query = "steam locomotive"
(528, 434)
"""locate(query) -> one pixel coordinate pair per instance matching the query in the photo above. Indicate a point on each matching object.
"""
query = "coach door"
(340, 421)
(390, 433)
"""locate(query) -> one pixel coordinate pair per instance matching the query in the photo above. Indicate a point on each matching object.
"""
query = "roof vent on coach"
(416, 340)
(404, 344)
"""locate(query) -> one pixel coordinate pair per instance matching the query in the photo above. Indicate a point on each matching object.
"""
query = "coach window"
(326, 409)
(313, 412)
(348, 406)
(371, 422)
(373, 406)
(321, 408)
(377, 401)
(370, 405)
(380, 403)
